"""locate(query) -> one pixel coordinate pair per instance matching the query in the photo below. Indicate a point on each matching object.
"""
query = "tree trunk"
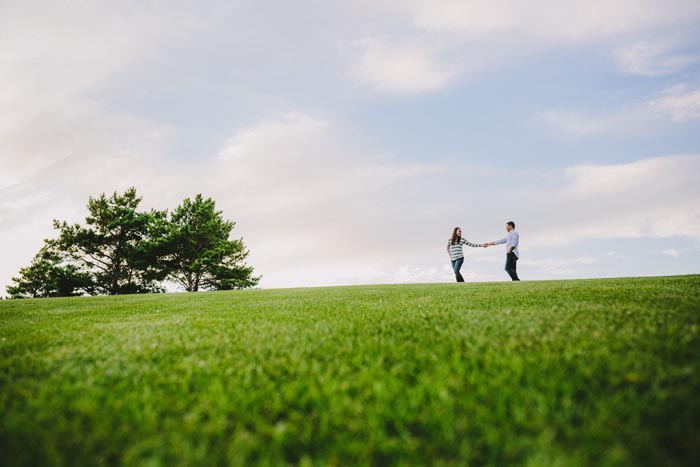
(115, 279)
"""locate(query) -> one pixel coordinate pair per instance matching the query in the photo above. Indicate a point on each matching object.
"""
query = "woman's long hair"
(455, 238)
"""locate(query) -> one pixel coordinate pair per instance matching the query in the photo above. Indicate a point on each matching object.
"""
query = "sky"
(347, 139)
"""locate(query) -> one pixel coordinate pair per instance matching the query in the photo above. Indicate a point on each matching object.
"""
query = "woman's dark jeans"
(456, 266)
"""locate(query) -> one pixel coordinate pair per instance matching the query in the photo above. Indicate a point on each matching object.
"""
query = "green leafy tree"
(116, 244)
(50, 276)
(197, 252)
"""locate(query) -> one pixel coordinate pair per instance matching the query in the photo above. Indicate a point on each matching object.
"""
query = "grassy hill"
(595, 372)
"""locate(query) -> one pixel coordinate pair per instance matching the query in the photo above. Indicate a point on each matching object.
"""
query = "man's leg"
(511, 266)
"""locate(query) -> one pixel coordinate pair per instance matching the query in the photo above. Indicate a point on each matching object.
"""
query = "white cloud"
(679, 103)
(309, 196)
(574, 20)
(73, 151)
(440, 42)
(653, 197)
(53, 52)
(56, 59)
(652, 58)
(672, 252)
(556, 266)
(399, 68)
(392, 46)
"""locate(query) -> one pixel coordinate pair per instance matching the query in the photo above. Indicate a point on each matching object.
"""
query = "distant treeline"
(121, 250)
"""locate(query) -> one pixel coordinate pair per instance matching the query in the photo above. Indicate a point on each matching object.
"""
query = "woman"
(454, 249)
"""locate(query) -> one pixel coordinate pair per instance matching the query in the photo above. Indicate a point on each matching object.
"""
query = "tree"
(123, 250)
(115, 244)
(197, 252)
(49, 276)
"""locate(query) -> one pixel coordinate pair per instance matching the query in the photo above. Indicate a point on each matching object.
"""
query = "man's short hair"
(511, 223)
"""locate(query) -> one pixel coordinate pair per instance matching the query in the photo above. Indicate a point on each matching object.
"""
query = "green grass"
(595, 372)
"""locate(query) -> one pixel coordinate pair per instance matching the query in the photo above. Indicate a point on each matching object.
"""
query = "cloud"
(57, 51)
(654, 197)
(310, 196)
(400, 69)
(672, 252)
(576, 20)
(437, 43)
(414, 46)
(55, 134)
(557, 266)
(652, 58)
(679, 103)
(74, 150)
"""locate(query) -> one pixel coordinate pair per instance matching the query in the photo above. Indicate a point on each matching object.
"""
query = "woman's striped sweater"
(455, 251)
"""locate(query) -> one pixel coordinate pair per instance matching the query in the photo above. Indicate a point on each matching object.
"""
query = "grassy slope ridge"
(595, 372)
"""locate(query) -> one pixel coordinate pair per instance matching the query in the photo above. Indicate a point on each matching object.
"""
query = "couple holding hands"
(454, 249)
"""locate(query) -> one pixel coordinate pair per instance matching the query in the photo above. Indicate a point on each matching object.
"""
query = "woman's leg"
(457, 265)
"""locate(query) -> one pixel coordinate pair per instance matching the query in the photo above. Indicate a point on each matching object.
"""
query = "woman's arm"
(475, 245)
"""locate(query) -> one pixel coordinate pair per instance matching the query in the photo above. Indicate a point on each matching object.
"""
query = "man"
(512, 253)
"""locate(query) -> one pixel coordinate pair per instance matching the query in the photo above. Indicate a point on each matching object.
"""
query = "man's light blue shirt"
(511, 240)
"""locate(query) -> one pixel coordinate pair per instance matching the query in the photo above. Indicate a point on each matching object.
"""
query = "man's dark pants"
(511, 261)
